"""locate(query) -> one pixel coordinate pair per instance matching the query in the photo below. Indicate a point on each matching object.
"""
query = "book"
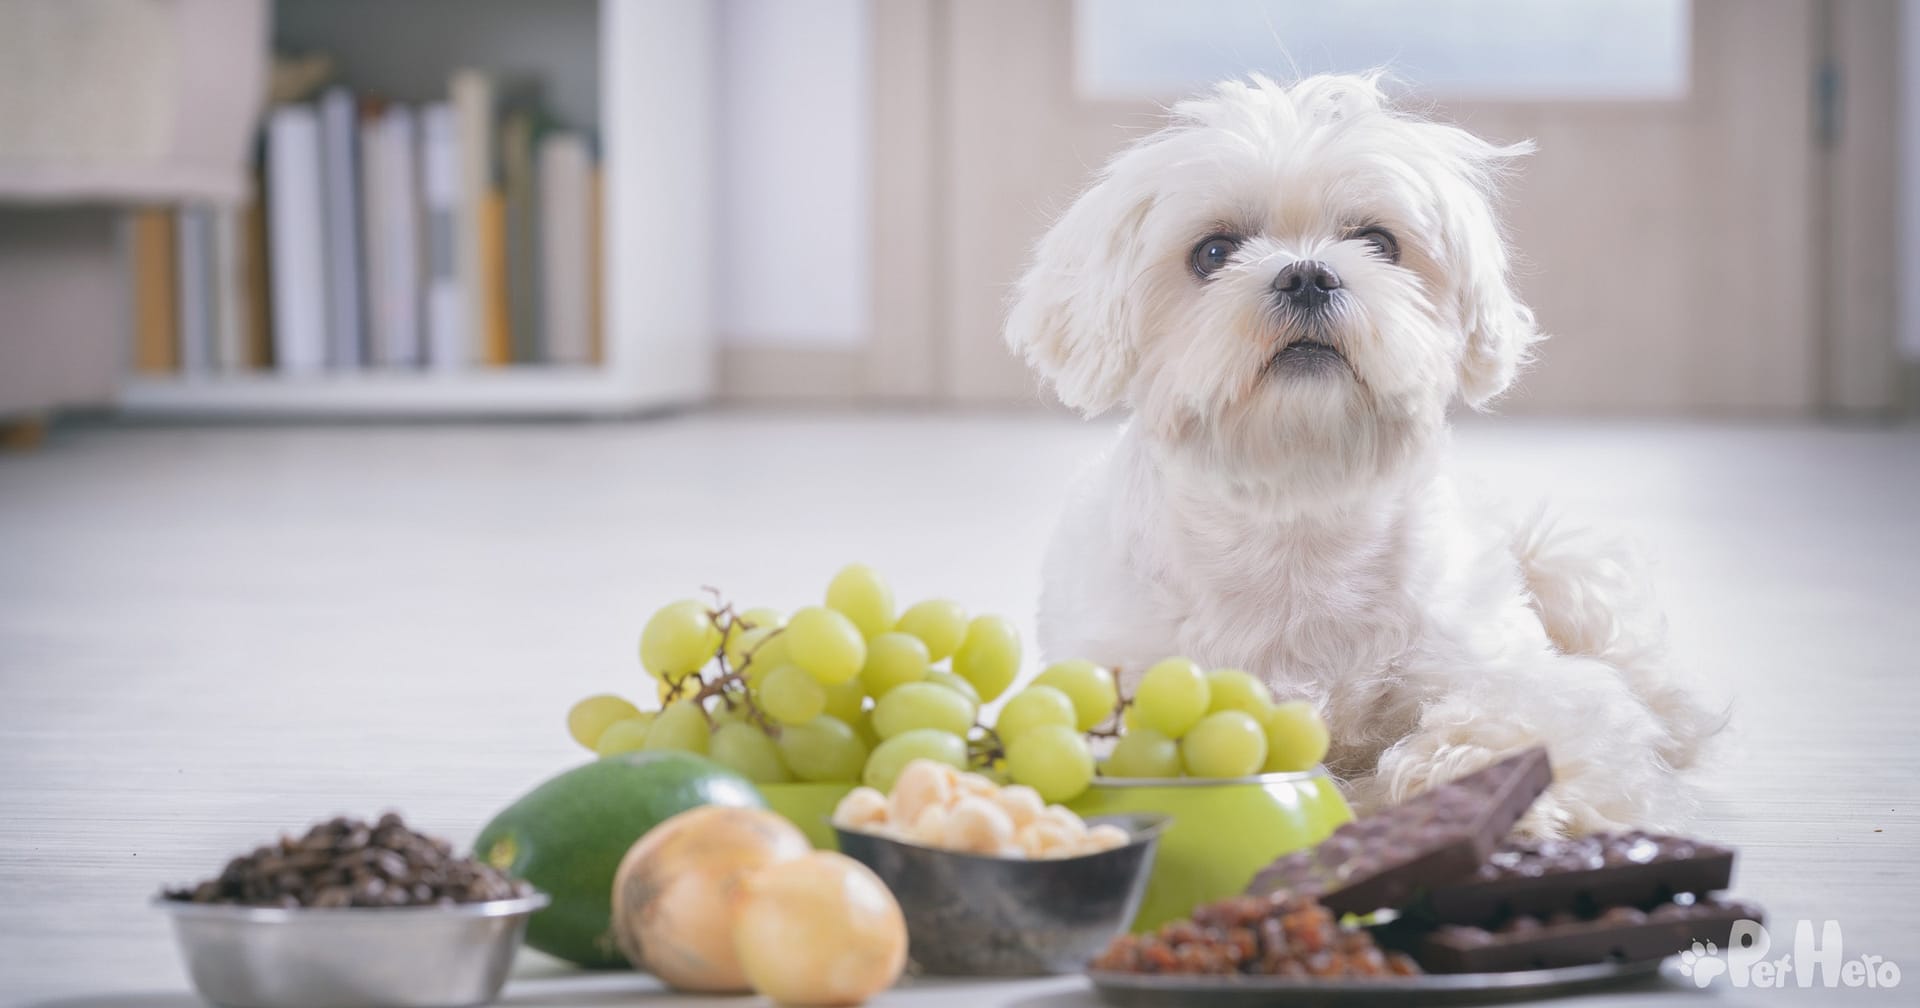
(596, 267)
(390, 210)
(193, 277)
(449, 338)
(296, 239)
(258, 349)
(565, 177)
(340, 224)
(150, 243)
(472, 93)
(230, 316)
(520, 192)
(496, 340)
(374, 210)
(402, 235)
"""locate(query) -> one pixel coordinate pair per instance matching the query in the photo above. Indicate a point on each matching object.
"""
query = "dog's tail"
(1594, 599)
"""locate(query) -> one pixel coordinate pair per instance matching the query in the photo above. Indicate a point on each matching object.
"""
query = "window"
(1498, 49)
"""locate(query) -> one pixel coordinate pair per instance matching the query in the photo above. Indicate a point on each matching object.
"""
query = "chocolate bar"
(1621, 934)
(1435, 838)
(1583, 876)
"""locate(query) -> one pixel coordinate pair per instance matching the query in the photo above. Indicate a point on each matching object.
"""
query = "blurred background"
(370, 369)
(491, 208)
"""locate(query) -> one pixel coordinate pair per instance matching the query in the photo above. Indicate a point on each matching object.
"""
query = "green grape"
(761, 652)
(741, 644)
(761, 618)
(1053, 760)
(744, 748)
(893, 659)
(941, 625)
(826, 644)
(1031, 708)
(861, 594)
(624, 735)
(591, 716)
(892, 755)
(989, 656)
(942, 677)
(1130, 718)
(1296, 737)
(845, 701)
(791, 696)
(729, 638)
(751, 632)
(1144, 752)
(921, 705)
(720, 712)
(678, 639)
(1172, 697)
(1090, 687)
(1228, 743)
(682, 725)
(823, 749)
(1232, 689)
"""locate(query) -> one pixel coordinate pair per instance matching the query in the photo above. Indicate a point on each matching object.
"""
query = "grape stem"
(1114, 724)
(985, 749)
(722, 685)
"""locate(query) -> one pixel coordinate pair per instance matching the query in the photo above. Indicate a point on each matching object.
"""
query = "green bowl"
(1223, 831)
(808, 806)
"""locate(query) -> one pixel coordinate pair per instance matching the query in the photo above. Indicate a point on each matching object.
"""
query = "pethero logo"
(1809, 962)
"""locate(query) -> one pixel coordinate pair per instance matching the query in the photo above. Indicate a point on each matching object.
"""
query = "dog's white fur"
(1301, 522)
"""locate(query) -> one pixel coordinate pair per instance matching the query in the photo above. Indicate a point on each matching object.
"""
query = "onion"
(819, 930)
(672, 894)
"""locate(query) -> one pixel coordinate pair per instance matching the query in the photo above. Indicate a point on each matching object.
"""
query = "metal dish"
(969, 915)
(396, 957)
(1145, 990)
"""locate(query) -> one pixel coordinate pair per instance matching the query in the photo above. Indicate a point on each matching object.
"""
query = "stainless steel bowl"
(395, 957)
(969, 915)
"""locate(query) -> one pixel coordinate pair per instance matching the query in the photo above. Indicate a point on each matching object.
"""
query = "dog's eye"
(1382, 240)
(1212, 254)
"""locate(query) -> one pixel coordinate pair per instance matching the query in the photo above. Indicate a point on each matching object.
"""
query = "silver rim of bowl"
(281, 915)
(1290, 777)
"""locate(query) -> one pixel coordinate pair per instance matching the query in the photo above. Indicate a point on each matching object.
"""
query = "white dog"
(1289, 286)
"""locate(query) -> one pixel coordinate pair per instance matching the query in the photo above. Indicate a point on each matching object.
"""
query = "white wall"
(794, 252)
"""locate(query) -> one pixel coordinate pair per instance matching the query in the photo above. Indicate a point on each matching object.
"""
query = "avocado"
(567, 837)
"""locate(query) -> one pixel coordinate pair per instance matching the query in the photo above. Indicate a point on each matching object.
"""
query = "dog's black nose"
(1308, 284)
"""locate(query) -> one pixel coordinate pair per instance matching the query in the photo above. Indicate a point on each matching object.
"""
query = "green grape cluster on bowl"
(851, 691)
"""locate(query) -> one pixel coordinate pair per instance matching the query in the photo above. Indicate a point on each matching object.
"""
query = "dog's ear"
(1499, 328)
(1076, 316)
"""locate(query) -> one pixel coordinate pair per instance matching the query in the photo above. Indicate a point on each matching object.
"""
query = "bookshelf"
(656, 344)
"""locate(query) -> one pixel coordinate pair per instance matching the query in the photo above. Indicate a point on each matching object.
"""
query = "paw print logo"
(1702, 963)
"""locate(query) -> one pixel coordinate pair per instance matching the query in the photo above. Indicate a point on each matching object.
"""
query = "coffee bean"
(347, 862)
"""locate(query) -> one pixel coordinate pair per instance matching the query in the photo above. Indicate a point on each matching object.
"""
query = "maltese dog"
(1288, 286)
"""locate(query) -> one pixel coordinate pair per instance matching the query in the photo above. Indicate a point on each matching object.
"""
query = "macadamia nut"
(934, 805)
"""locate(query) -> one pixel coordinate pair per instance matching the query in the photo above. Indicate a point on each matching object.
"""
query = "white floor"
(211, 635)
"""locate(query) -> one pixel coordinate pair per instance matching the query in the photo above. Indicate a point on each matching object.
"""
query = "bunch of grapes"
(842, 692)
(851, 691)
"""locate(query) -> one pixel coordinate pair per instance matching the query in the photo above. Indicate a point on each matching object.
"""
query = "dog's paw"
(1421, 762)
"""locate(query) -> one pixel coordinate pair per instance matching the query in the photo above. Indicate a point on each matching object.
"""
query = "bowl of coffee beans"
(352, 914)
